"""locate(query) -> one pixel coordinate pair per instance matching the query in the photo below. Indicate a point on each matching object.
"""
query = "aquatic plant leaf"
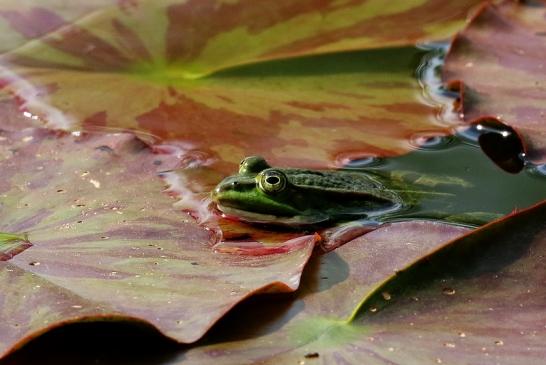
(487, 311)
(301, 111)
(21, 20)
(298, 112)
(105, 243)
(172, 32)
(498, 64)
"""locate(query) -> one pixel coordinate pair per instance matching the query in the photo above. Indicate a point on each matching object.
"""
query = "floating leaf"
(171, 32)
(487, 311)
(499, 59)
(305, 110)
(107, 243)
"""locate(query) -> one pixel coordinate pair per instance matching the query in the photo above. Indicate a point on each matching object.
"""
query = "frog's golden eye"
(252, 165)
(272, 181)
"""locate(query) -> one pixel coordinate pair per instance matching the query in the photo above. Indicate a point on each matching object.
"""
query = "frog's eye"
(252, 165)
(272, 181)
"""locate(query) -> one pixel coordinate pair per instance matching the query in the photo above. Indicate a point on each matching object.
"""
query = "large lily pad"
(489, 311)
(499, 58)
(80, 76)
(97, 239)
(171, 32)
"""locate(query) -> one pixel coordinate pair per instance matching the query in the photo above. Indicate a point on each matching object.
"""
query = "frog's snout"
(227, 185)
(217, 192)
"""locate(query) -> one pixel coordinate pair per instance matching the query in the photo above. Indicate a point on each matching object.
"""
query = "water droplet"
(391, 349)
(462, 334)
(373, 309)
(448, 291)
(311, 355)
(34, 263)
(77, 307)
(539, 170)
(104, 237)
(430, 140)
(386, 295)
(500, 142)
(499, 342)
(105, 148)
(95, 183)
(450, 345)
(60, 191)
(438, 361)
(358, 162)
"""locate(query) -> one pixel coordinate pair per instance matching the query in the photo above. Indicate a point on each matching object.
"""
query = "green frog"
(455, 184)
(260, 193)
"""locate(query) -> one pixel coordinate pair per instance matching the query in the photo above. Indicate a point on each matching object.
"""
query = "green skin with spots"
(287, 196)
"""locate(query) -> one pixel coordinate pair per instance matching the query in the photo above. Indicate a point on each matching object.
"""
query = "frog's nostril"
(217, 190)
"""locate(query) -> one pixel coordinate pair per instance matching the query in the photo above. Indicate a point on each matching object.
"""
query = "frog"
(260, 193)
(456, 184)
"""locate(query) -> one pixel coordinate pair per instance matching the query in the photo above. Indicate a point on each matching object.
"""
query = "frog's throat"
(252, 217)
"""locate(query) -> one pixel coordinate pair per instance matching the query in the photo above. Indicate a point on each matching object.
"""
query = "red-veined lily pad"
(500, 61)
(303, 111)
(488, 310)
(198, 37)
(21, 20)
(89, 234)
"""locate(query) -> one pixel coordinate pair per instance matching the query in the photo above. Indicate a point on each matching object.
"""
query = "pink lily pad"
(107, 243)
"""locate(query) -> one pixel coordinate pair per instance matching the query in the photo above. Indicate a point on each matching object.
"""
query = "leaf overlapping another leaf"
(107, 243)
(499, 58)
(134, 68)
(489, 311)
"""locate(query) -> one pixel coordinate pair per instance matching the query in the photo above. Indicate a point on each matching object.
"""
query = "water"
(460, 184)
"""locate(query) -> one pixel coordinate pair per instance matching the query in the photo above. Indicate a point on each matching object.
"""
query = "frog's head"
(260, 193)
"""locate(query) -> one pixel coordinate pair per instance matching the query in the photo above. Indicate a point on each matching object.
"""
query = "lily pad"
(171, 32)
(96, 239)
(489, 311)
(498, 65)
(301, 111)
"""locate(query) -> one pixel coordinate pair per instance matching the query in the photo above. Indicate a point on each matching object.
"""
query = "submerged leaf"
(108, 244)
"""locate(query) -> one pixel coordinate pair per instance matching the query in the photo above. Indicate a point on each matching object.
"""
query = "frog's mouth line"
(252, 217)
